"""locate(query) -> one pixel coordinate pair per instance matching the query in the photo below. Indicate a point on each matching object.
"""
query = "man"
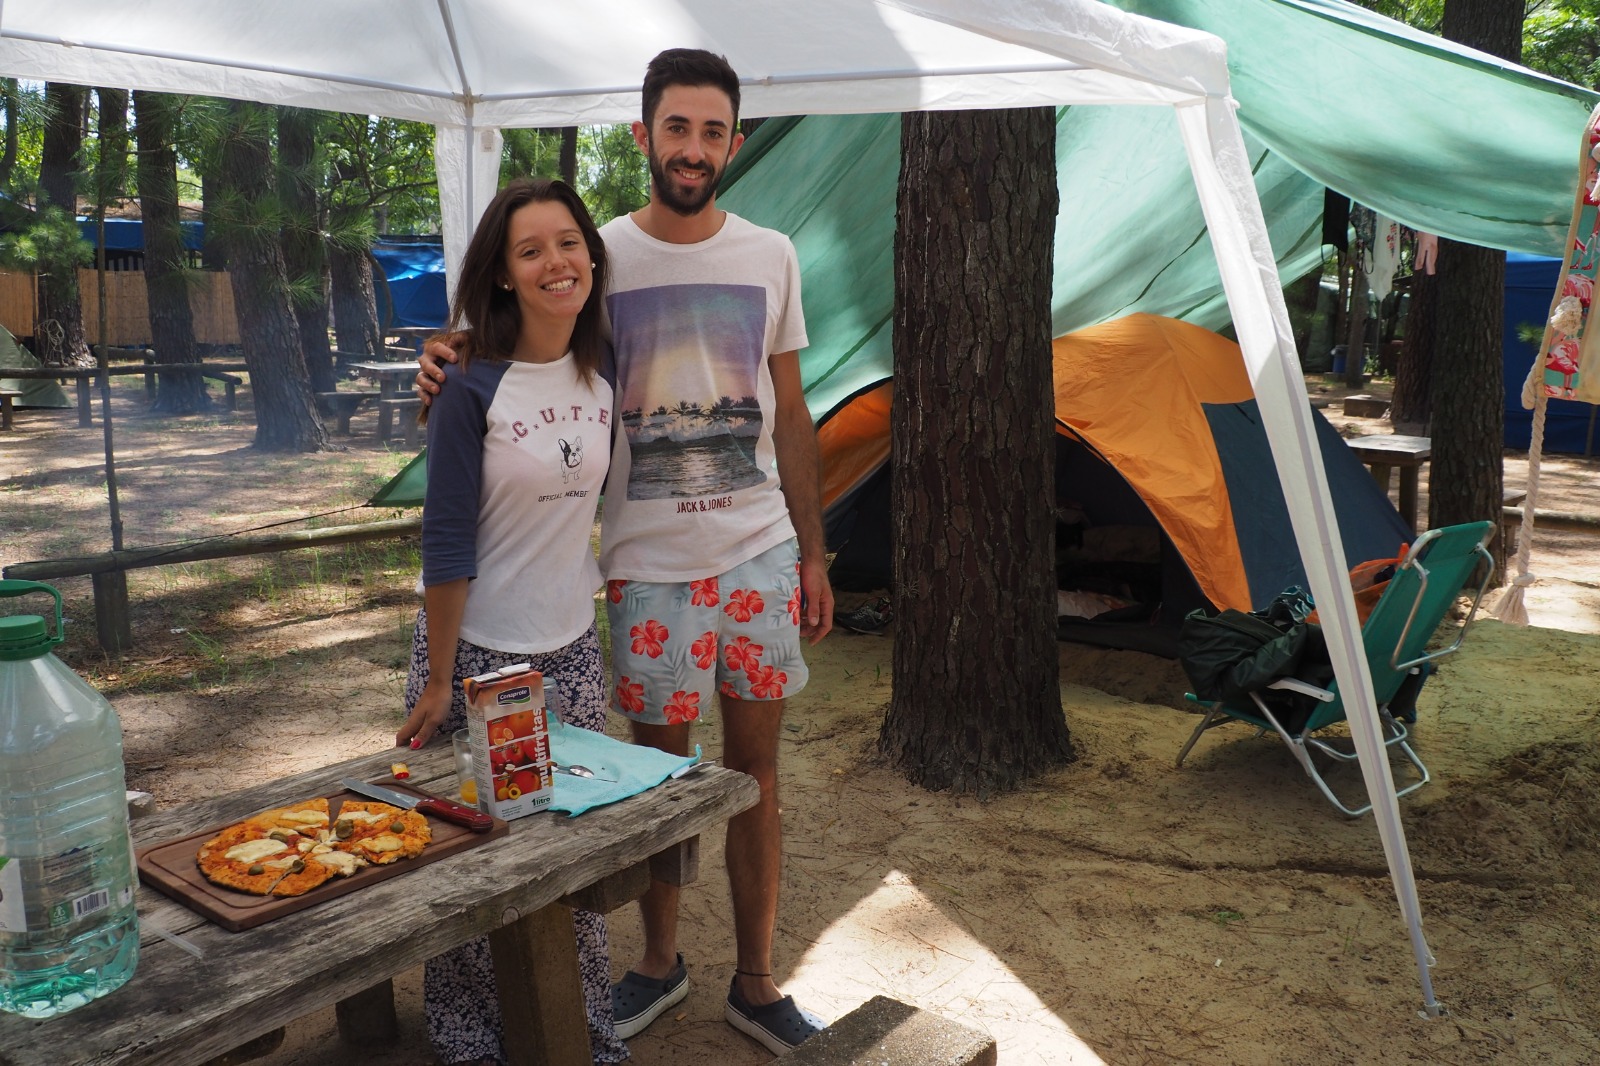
(715, 568)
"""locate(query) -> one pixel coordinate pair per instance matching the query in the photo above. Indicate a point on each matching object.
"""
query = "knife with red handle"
(448, 810)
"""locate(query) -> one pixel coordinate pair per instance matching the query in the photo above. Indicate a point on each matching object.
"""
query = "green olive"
(397, 827)
(280, 835)
(296, 866)
(257, 869)
(343, 828)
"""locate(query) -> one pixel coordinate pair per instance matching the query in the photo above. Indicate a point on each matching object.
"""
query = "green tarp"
(1422, 130)
(36, 392)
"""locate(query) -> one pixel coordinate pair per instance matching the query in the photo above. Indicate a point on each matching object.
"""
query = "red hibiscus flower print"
(630, 696)
(744, 604)
(727, 689)
(704, 651)
(794, 607)
(743, 654)
(704, 593)
(614, 590)
(767, 683)
(682, 707)
(648, 638)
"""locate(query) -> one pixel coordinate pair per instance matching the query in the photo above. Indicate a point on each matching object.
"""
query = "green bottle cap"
(24, 636)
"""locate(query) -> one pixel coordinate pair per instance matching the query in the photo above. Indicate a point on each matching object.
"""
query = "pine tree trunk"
(1355, 341)
(59, 338)
(1411, 409)
(286, 413)
(304, 252)
(977, 696)
(12, 103)
(567, 161)
(1466, 477)
(112, 172)
(165, 271)
(355, 304)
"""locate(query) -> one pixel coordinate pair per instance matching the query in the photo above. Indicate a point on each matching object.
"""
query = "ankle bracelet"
(747, 973)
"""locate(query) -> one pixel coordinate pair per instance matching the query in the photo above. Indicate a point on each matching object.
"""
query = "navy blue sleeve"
(457, 424)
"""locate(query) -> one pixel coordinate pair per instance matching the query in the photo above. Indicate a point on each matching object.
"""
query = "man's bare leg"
(754, 850)
(658, 907)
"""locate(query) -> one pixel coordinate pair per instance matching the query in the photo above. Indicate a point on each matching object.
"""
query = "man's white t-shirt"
(693, 488)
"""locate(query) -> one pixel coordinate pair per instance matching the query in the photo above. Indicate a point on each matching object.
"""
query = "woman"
(516, 457)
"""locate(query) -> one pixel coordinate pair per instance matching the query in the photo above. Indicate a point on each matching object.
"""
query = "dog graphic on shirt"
(571, 459)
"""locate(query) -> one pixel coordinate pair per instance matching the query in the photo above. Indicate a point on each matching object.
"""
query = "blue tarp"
(1530, 282)
(127, 234)
(415, 272)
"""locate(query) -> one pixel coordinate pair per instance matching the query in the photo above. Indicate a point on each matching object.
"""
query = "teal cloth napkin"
(634, 767)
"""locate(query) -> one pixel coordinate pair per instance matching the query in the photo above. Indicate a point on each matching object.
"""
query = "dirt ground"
(1120, 910)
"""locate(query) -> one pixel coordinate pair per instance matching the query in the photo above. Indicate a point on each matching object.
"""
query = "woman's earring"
(505, 286)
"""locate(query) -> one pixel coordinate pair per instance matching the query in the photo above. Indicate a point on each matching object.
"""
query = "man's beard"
(675, 200)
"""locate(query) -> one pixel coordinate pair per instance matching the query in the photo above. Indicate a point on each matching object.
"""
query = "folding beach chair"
(1395, 636)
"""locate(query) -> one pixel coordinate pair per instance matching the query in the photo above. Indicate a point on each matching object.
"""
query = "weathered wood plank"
(607, 895)
(679, 865)
(179, 1010)
(541, 996)
(367, 1019)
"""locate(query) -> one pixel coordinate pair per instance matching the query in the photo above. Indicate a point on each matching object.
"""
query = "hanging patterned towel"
(1385, 256)
(1568, 365)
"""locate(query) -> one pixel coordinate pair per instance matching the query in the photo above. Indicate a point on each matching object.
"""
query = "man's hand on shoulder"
(430, 379)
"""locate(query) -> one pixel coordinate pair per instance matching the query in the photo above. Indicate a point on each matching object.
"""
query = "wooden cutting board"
(171, 868)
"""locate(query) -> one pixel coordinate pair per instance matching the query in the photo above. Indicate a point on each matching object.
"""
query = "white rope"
(1511, 608)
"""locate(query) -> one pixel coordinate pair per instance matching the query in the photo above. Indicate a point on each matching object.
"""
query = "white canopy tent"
(472, 67)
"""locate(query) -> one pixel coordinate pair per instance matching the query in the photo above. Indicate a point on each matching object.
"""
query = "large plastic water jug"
(68, 930)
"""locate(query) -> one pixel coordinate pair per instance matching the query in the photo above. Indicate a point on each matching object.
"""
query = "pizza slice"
(306, 818)
(239, 857)
(382, 833)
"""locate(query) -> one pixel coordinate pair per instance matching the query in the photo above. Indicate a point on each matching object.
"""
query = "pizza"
(288, 851)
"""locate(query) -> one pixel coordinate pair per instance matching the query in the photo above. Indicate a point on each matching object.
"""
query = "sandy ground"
(1120, 910)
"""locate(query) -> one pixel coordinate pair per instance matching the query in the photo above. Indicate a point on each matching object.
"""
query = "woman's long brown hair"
(489, 314)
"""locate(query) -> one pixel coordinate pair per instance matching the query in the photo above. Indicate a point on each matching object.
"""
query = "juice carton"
(510, 738)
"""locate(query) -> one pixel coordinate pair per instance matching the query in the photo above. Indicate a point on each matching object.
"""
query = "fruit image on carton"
(510, 738)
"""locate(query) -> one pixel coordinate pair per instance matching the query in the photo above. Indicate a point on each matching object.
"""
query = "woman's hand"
(430, 379)
(430, 712)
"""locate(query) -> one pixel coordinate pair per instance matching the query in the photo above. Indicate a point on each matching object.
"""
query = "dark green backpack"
(1233, 653)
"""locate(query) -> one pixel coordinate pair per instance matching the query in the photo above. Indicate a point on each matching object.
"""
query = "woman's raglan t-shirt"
(517, 454)
(694, 487)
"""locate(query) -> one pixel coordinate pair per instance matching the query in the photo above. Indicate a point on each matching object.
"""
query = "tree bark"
(355, 303)
(166, 275)
(59, 338)
(304, 252)
(1466, 478)
(12, 103)
(1411, 409)
(1355, 340)
(286, 412)
(112, 173)
(567, 162)
(977, 698)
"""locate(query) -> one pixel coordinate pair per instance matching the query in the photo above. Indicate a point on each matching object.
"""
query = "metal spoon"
(576, 770)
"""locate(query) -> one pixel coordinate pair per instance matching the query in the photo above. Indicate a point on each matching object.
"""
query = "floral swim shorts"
(675, 643)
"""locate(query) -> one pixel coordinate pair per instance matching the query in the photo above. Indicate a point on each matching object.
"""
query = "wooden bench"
(1366, 406)
(341, 405)
(886, 1032)
(1383, 452)
(406, 409)
(230, 382)
(8, 399)
(1511, 523)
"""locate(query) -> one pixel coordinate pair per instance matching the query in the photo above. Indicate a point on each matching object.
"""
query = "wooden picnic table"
(394, 396)
(1384, 452)
(178, 1010)
(83, 377)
